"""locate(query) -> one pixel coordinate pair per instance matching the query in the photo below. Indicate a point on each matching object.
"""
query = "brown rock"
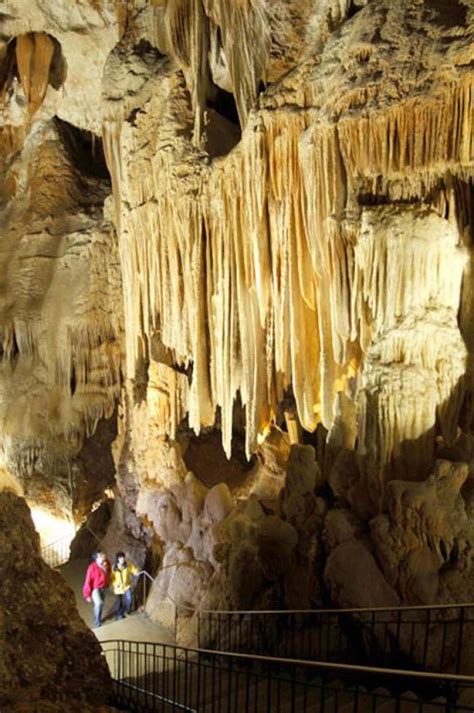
(354, 579)
(47, 654)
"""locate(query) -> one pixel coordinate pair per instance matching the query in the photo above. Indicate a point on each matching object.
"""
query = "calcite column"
(410, 269)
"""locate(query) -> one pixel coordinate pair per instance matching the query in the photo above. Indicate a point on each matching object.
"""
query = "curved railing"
(142, 577)
(159, 677)
(56, 553)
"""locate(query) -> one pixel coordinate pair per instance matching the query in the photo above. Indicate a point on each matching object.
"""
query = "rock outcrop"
(49, 660)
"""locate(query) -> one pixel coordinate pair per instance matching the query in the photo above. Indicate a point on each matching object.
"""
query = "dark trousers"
(123, 604)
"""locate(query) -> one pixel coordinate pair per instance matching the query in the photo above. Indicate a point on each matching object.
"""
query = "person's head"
(120, 560)
(100, 558)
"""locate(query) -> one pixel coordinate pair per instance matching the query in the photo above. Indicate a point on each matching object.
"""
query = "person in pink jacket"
(95, 584)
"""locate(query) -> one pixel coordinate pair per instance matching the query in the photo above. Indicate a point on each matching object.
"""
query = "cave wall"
(60, 307)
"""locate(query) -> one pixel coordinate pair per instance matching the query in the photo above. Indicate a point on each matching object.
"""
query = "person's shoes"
(122, 616)
(97, 626)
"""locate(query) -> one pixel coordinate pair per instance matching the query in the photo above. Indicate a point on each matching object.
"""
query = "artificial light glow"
(52, 529)
(264, 433)
(353, 368)
(349, 373)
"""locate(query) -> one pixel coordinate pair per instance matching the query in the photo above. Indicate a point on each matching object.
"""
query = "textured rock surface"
(426, 530)
(49, 660)
(361, 585)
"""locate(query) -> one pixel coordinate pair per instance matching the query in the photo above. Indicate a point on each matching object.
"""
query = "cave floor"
(135, 627)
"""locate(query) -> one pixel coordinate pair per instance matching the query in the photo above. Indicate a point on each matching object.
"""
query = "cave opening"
(84, 149)
(223, 130)
(205, 457)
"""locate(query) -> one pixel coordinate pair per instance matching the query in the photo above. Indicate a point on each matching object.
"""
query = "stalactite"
(192, 27)
(167, 399)
(111, 141)
(34, 53)
(188, 40)
(245, 31)
(257, 223)
(409, 268)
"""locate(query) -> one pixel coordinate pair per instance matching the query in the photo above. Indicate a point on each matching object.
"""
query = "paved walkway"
(133, 628)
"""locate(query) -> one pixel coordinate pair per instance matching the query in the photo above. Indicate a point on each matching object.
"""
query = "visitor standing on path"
(123, 573)
(95, 584)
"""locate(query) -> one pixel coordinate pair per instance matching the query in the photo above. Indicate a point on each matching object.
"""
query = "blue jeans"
(98, 598)
(123, 604)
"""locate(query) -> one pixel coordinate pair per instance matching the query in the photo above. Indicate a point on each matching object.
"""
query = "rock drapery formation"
(252, 228)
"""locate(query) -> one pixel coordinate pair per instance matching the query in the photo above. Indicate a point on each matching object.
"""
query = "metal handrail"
(328, 665)
(169, 566)
(383, 633)
(52, 556)
(353, 610)
(58, 561)
(433, 638)
(325, 610)
(145, 575)
(54, 543)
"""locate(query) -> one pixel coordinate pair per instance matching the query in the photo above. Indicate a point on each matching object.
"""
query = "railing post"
(460, 637)
(198, 691)
(427, 634)
(293, 689)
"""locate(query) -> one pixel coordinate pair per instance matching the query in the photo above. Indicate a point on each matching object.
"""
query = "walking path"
(136, 627)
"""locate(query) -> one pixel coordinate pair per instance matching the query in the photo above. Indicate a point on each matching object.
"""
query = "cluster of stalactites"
(81, 359)
(219, 42)
(253, 268)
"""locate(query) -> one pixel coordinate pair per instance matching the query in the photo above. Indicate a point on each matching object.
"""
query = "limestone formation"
(425, 533)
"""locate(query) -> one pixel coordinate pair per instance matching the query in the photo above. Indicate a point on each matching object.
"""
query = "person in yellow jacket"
(121, 581)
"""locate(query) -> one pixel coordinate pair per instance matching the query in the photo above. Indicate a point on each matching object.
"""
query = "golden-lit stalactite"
(188, 40)
(34, 52)
(60, 312)
(243, 28)
(167, 398)
(410, 268)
